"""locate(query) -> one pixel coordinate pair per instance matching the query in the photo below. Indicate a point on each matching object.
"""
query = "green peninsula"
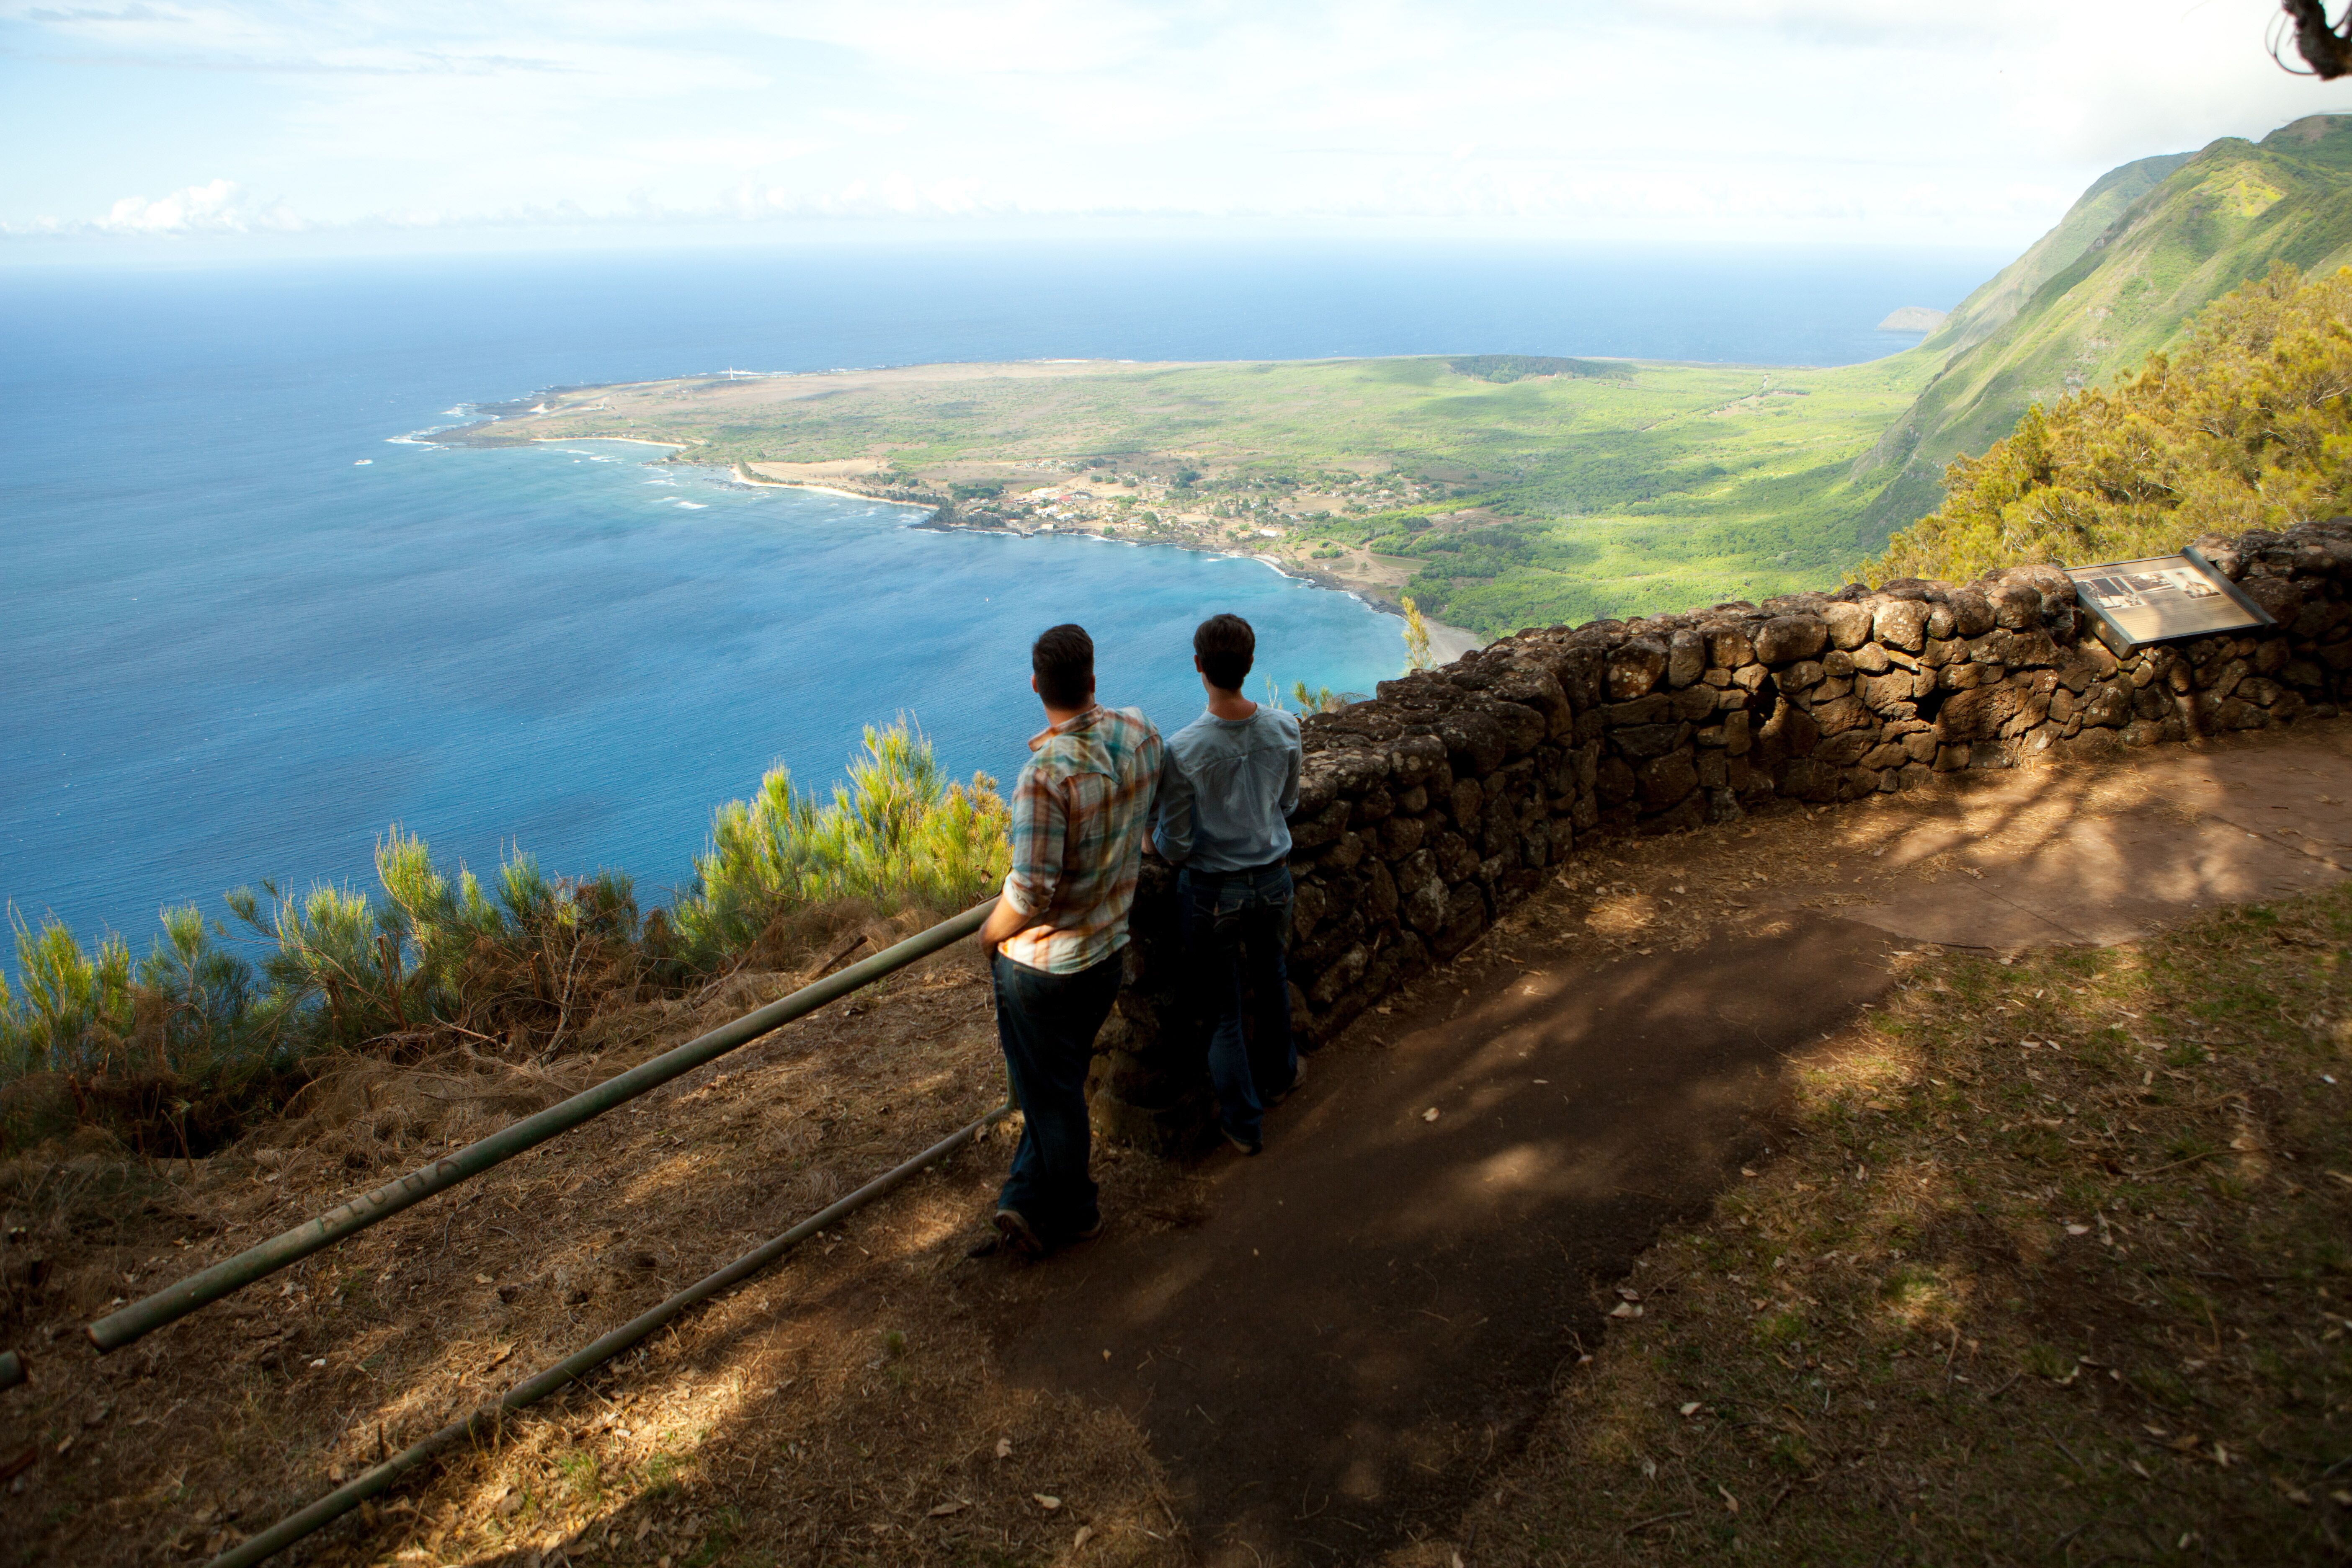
(1505, 490)
(1499, 491)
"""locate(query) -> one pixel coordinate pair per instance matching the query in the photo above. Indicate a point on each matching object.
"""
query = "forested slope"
(2249, 426)
(2092, 300)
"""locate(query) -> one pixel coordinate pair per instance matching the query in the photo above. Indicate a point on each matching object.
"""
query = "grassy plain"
(2052, 1271)
(1623, 489)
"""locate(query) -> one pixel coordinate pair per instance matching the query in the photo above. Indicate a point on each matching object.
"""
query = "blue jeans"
(1047, 1023)
(1236, 927)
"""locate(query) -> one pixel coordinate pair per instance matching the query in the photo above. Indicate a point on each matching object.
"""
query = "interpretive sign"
(2162, 597)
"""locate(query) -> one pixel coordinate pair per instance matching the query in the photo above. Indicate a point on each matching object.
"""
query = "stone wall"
(1429, 810)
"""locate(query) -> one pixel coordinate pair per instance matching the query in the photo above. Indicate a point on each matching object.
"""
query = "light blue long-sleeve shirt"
(1225, 789)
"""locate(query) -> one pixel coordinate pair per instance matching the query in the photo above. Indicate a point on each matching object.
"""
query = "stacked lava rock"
(1426, 811)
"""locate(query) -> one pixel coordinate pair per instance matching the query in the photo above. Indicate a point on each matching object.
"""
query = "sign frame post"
(2162, 598)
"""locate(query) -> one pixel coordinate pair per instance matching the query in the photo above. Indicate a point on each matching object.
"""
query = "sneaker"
(1091, 1231)
(1246, 1145)
(1297, 1080)
(1012, 1229)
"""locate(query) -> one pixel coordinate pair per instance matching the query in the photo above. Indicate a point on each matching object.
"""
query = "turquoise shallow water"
(244, 627)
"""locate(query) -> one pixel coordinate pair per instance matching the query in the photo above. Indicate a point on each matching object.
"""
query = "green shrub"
(69, 996)
(180, 1050)
(435, 954)
(1318, 699)
(2249, 426)
(896, 833)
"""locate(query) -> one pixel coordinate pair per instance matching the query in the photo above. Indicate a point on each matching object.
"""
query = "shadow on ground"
(1376, 1308)
(1370, 1315)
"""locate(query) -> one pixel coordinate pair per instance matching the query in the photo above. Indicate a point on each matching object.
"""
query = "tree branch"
(2325, 49)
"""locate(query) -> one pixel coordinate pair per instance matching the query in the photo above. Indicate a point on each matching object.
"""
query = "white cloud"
(1837, 118)
(216, 207)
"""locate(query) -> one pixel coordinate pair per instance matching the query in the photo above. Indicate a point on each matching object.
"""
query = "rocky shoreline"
(947, 513)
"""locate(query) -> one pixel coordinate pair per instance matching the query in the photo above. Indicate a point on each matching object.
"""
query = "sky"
(137, 125)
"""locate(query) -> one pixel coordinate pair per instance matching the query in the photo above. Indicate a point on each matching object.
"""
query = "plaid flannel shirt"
(1081, 810)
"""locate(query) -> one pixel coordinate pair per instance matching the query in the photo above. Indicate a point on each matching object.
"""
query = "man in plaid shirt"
(1081, 812)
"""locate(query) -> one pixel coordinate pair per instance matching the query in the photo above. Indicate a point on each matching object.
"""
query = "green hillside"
(2144, 250)
(1996, 302)
(2246, 425)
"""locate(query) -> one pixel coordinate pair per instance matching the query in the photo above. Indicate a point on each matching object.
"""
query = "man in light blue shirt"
(1226, 790)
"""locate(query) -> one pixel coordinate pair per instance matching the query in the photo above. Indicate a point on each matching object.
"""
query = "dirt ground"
(1371, 1315)
(828, 1407)
(2052, 1269)
(1323, 1354)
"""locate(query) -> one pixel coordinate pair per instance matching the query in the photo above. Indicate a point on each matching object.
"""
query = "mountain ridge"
(2146, 249)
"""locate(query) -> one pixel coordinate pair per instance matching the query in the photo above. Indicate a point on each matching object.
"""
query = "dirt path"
(1370, 1315)
(1376, 1308)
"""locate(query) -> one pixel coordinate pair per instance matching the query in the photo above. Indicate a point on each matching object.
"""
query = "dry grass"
(2055, 1270)
(843, 1407)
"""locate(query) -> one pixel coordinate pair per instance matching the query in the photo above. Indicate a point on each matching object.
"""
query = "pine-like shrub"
(2249, 426)
(898, 833)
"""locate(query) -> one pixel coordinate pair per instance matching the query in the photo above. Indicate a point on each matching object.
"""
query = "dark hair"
(1063, 658)
(1227, 648)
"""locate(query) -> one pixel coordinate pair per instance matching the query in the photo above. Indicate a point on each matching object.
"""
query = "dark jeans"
(1237, 926)
(1047, 1023)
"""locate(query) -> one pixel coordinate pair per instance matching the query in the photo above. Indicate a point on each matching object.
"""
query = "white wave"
(694, 505)
(363, 462)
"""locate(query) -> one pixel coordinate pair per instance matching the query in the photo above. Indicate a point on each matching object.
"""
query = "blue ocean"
(247, 623)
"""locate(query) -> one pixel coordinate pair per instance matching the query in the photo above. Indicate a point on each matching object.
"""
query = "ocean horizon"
(252, 622)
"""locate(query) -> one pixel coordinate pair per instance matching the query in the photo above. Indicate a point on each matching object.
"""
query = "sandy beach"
(1447, 644)
(742, 474)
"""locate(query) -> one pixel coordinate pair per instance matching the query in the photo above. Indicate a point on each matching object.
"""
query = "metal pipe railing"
(176, 1301)
(485, 1418)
